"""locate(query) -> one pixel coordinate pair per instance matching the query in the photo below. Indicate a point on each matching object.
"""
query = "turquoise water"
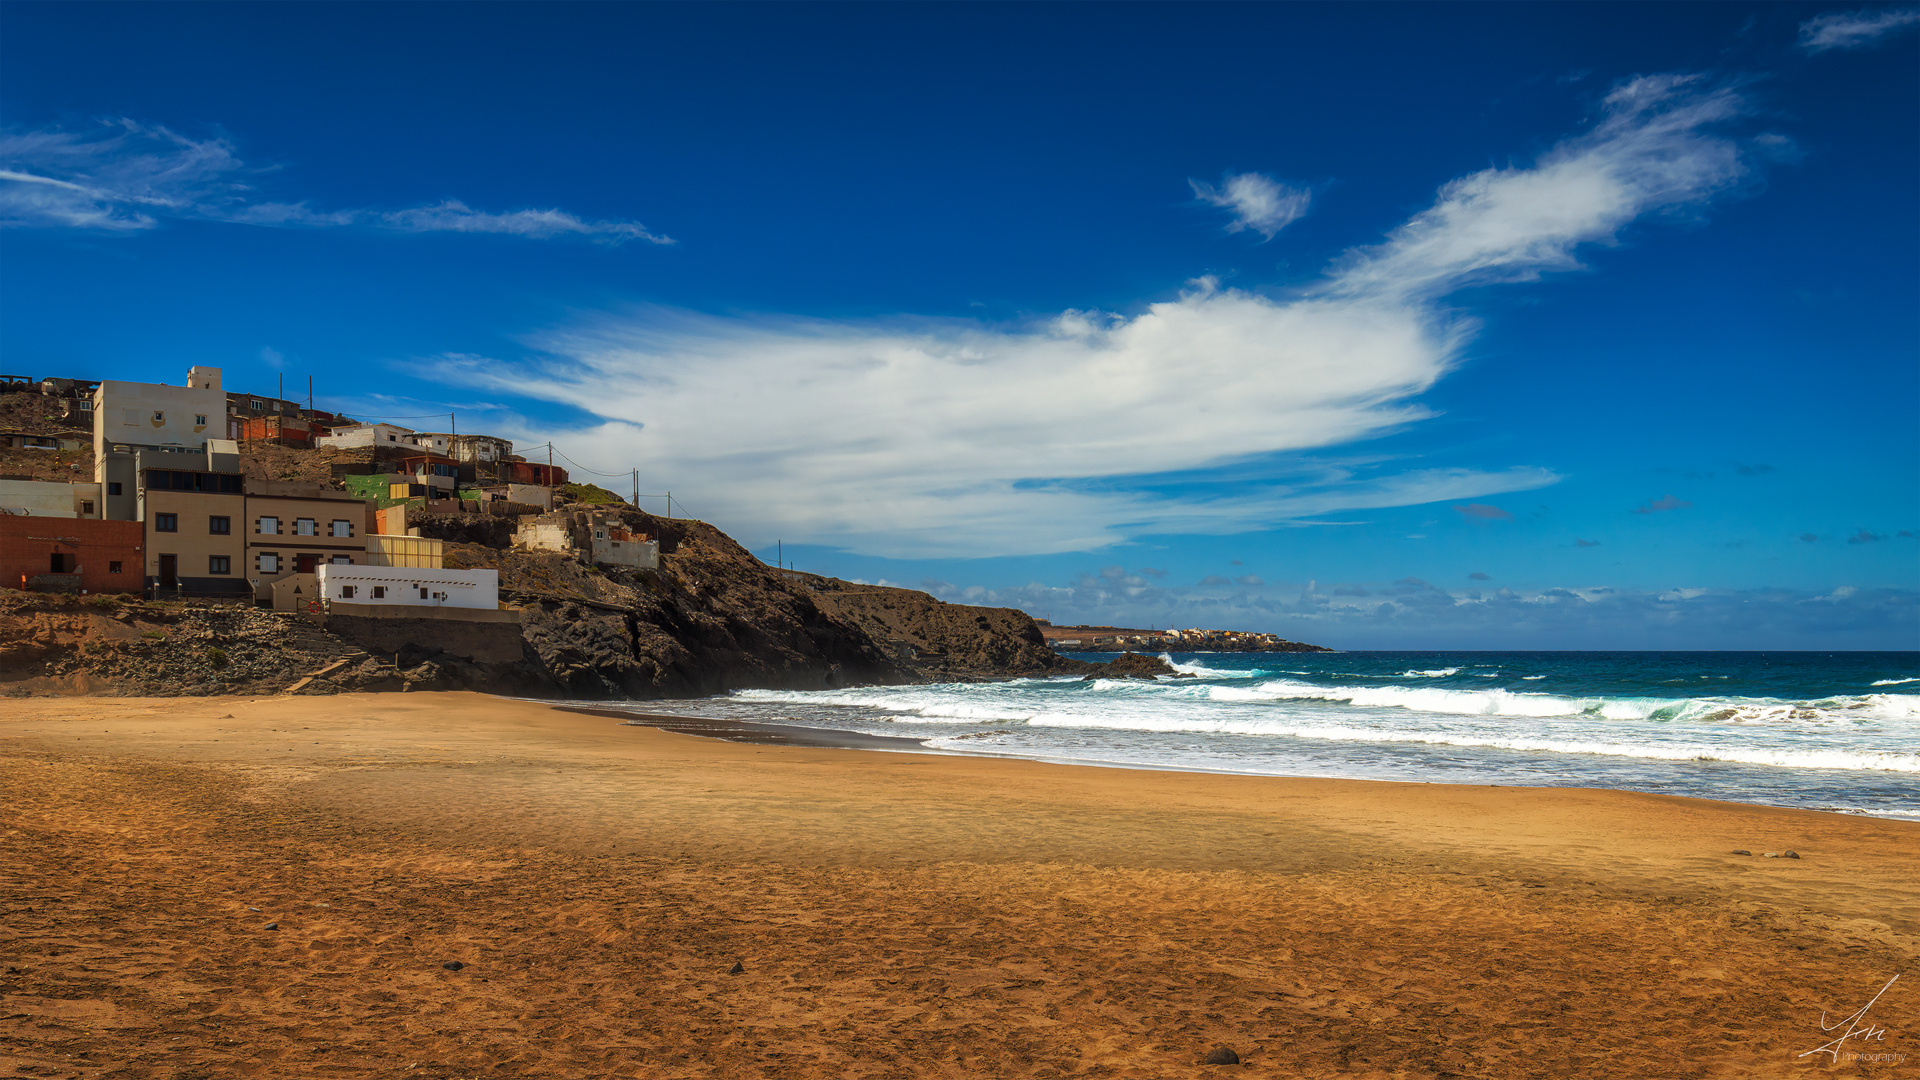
(1832, 731)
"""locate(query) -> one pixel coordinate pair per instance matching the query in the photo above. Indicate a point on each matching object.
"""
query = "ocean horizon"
(1832, 731)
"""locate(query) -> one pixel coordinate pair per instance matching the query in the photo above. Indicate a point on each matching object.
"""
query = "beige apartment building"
(296, 528)
(194, 545)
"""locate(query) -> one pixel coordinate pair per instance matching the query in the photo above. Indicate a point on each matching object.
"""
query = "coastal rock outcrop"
(937, 641)
(1135, 666)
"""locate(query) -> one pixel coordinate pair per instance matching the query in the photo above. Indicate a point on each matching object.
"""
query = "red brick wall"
(26, 543)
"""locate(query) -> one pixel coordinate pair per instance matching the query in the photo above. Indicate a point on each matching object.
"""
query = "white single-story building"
(367, 435)
(410, 586)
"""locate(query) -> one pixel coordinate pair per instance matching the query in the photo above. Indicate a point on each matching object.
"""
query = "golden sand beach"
(631, 902)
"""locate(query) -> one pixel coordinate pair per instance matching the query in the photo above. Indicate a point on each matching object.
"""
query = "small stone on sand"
(1789, 854)
(1741, 851)
(738, 968)
(1221, 1055)
(453, 965)
(271, 926)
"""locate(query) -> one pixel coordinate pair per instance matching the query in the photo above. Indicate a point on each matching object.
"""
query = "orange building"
(62, 554)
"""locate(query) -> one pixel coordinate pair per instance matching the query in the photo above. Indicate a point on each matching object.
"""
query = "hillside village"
(185, 539)
(167, 508)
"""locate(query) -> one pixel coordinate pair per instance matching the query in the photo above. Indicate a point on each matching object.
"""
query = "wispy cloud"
(1865, 537)
(1654, 149)
(954, 437)
(125, 176)
(455, 216)
(1258, 202)
(1483, 512)
(1660, 505)
(1855, 29)
(1579, 543)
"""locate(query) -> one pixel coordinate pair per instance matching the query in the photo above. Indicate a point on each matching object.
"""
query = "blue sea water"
(1829, 731)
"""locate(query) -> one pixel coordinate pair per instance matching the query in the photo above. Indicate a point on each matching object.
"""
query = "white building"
(410, 587)
(42, 498)
(155, 416)
(368, 435)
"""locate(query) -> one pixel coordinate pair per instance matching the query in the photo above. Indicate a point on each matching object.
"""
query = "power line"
(584, 469)
(420, 416)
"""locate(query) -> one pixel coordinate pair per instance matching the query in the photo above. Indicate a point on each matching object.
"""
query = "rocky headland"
(710, 619)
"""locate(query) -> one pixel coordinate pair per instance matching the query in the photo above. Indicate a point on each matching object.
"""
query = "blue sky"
(1490, 326)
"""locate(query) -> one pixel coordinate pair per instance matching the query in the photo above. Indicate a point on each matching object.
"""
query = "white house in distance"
(368, 435)
(402, 587)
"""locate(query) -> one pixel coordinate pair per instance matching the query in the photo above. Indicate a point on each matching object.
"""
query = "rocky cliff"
(712, 618)
(938, 641)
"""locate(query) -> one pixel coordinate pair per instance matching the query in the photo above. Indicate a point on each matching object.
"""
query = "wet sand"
(892, 914)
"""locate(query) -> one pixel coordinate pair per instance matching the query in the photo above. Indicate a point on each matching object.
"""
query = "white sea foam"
(1493, 702)
(1894, 682)
(1205, 672)
(1436, 673)
(1685, 750)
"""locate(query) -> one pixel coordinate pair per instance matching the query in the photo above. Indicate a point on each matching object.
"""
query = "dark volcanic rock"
(1133, 666)
(1221, 1055)
(939, 641)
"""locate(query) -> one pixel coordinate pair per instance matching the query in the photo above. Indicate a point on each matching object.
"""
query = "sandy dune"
(895, 915)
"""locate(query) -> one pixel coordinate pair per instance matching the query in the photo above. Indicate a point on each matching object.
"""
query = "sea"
(1833, 731)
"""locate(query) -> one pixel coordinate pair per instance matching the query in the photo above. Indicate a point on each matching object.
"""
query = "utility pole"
(636, 489)
(779, 554)
(669, 506)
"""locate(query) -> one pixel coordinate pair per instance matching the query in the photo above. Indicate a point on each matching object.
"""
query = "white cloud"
(929, 437)
(124, 176)
(1653, 149)
(1855, 29)
(1258, 202)
(454, 216)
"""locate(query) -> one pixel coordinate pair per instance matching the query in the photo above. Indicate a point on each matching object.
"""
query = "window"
(306, 527)
(219, 564)
(423, 591)
(379, 592)
(269, 562)
(341, 528)
(341, 560)
(346, 592)
(113, 567)
(220, 525)
(86, 406)
(166, 523)
(113, 487)
(159, 417)
(269, 526)
(256, 404)
(200, 420)
(86, 506)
